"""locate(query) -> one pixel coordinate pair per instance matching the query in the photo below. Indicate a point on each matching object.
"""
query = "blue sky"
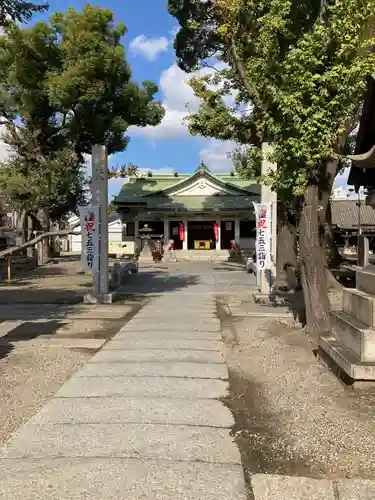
(149, 48)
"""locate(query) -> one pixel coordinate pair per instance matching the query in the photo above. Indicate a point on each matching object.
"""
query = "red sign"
(216, 231)
(182, 231)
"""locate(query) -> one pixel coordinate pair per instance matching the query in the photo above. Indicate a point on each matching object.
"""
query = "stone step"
(346, 360)
(277, 487)
(157, 355)
(202, 255)
(360, 305)
(171, 334)
(138, 410)
(365, 279)
(152, 343)
(157, 327)
(354, 335)
(130, 440)
(166, 369)
(119, 479)
(150, 387)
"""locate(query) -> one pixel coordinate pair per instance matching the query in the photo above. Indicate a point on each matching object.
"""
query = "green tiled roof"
(141, 190)
(199, 203)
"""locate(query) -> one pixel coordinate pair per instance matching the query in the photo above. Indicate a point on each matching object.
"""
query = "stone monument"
(146, 253)
(99, 192)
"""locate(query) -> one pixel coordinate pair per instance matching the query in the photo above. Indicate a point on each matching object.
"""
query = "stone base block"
(359, 305)
(266, 299)
(105, 298)
(365, 279)
(353, 335)
(343, 362)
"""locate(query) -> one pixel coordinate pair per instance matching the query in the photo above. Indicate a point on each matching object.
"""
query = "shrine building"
(201, 211)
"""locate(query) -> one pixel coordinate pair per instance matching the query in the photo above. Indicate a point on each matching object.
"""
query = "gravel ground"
(29, 375)
(293, 416)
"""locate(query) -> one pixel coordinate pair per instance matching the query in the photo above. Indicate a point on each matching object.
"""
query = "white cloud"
(150, 48)
(215, 155)
(179, 100)
(177, 94)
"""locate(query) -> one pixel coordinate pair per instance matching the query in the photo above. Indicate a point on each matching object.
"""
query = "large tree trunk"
(44, 249)
(286, 246)
(312, 262)
(327, 178)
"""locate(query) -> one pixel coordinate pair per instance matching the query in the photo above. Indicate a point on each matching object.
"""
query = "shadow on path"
(157, 281)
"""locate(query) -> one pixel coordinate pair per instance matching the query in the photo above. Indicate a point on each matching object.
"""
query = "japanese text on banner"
(90, 237)
(263, 235)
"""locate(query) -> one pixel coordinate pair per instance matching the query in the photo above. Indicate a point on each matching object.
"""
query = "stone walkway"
(141, 420)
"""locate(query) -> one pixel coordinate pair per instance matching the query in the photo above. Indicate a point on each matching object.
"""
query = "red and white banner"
(182, 231)
(90, 237)
(263, 235)
(216, 231)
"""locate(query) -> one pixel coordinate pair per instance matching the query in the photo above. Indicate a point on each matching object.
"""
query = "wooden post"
(9, 268)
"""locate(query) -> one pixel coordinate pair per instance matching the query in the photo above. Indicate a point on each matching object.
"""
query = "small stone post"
(363, 251)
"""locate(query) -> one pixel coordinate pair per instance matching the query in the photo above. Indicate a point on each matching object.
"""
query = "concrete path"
(203, 278)
(142, 420)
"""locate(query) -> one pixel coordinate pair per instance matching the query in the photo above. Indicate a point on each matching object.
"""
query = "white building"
(116, 230)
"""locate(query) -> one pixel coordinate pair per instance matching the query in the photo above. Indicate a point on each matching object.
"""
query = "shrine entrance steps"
(202, 255)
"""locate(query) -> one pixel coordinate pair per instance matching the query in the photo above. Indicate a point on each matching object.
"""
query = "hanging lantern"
(216, 231)
(182, 232)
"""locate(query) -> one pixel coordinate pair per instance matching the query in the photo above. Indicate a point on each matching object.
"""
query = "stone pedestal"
(146, 254)
(351, 343)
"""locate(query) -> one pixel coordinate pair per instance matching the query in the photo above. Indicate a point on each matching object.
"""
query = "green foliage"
(19, 10)
(247, 162)
(65, 86)
(300, 65)
(111, 208)
(128, 170)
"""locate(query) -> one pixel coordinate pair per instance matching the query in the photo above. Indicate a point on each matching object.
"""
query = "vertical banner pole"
(100, 199)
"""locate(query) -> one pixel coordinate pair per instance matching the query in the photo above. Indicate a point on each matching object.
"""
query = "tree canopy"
(301, 66)
(65, 86)
(19, 10)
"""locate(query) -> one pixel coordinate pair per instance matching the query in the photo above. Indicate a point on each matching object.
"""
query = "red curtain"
(216, 231)
(182, 232)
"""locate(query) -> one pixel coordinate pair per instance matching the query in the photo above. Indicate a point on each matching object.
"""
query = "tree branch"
(49, 234)
(254, 96)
